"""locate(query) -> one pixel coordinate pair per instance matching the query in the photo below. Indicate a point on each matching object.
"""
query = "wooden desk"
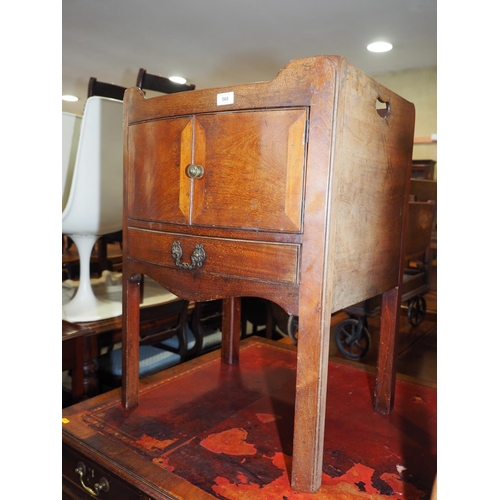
(293, 190)
(225, 431)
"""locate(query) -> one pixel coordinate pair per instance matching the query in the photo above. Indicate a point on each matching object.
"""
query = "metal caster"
(352, 338)
(293, 327)
(417, 307)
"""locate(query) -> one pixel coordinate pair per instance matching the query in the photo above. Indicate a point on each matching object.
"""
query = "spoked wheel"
(417, 307)
(293, 327)
(352, 338)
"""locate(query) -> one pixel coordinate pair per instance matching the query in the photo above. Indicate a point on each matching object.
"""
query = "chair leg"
(102, 255)
(231, 328)
(130, 341)
(386, 365)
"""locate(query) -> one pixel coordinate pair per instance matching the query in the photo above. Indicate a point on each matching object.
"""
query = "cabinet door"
(253, 169)
(158, 187)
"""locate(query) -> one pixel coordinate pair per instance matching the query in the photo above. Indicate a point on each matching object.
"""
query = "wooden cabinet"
(245, 161)
(293, 190)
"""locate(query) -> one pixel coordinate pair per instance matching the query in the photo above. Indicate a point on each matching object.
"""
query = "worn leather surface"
(228, 430)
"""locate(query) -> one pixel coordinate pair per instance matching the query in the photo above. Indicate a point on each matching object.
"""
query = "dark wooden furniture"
(148, 81)
(423, 169)
(293, 190)
(104, 89)
(423, 190)
(83, 343)
(426, 190)
(73, 357)
(206, 322)
(206, 430)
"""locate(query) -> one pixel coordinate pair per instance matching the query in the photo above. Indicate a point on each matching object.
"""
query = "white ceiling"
(216, 43)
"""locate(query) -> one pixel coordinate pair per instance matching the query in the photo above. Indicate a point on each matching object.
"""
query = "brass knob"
(102, 485)
(194, 171)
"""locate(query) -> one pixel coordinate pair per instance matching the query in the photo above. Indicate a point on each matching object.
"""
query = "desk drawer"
(276, 262)
(94, 474)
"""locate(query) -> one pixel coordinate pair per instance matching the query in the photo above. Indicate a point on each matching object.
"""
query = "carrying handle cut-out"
(383, 107)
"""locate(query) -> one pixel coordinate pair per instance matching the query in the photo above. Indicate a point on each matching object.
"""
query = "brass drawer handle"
(194, 171)
(197, 257)
(102, 485)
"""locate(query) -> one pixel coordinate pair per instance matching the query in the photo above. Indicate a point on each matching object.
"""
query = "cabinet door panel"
(158, 187)
(253, 169)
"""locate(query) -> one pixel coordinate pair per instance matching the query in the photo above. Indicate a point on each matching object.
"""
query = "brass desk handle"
(102, 485)
(197, 257)
(194, 171)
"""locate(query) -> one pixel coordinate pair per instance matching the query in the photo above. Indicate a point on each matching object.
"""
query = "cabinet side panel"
(158, 155)
(371, 168)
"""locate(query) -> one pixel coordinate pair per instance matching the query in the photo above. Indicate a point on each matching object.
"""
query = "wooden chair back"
(147, 81)
(105, 89)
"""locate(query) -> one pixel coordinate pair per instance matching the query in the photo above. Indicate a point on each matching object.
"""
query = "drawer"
(94, 474)
(276, 262)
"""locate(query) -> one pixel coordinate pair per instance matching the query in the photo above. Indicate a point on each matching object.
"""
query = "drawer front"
(275, 262)
(93, 474)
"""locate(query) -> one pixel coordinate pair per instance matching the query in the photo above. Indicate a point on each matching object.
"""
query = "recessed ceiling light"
(379, 47)
(69, 98)
(177, 79)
